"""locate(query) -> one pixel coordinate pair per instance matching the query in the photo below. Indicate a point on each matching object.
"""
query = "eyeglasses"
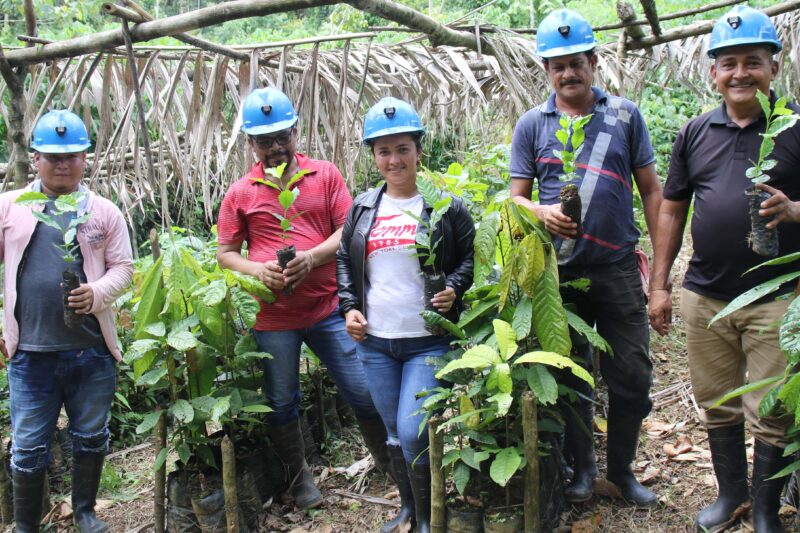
(57, 159)
(266, 141)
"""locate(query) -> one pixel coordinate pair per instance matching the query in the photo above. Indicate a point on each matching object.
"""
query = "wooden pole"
(6, 511)
(530, 429)
(160, 490)
(229, 485)
(436, 453)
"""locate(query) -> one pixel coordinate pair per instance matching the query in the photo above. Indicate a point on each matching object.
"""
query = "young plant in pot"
(60, 216)
(763, 240)
(427, 241)
(571, 137)
(286, 197)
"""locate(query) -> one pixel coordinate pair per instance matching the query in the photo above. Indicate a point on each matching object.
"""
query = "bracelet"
(311, 260)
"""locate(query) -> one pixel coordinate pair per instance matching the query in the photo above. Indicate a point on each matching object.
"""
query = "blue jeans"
(83, 381)
(398, 369)
(331, 343)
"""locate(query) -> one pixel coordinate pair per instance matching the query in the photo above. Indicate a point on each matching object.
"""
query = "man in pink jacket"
(50, 364)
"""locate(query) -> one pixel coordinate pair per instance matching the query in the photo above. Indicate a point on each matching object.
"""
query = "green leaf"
(549, 316)
(474, 459)
(250, 284)
(140, 348)
(182, 340)
(769, 403)
(594, 338)
(777, 261)
(182, 411)
(157, 329)
(246, 343)
(507, 276)
(435, 319)
(580, 284)
(790, 332)
(31, 198)
(767, 145)
(286, 199)
(204, 452)
(213, 293)
(500, 378)
(461, 475)
(484, 244)
(201, 370)
(557, 361)
(151, 377)
(542, 383)
(477, 358)
(763, 101)
(787, 470)
(235, 402)
(506, 339)
(505, 465)
(451, 456)
(69, 236)
(428, 190)
(756, 293)
(256, 408)
(245, 305)
(534, 264)
(204, 404)
(184, 454)
(152, 300)
(750, 387)
(148, 422)
(221, 407)
(523, 318)
(503, 401)
(160, 459)
(478, 308)
(46, 219)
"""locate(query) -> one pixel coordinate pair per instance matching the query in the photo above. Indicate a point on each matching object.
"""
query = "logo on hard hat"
(735, 22)
(266, 109)
(389, 111)
(61, 130)
(563, 30)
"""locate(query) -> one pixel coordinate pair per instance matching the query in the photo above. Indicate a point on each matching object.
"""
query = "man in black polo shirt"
(709, 160)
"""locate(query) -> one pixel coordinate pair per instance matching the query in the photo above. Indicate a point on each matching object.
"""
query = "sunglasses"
(266, 141)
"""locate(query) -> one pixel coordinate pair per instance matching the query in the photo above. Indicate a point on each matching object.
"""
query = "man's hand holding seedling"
(81, 299)
(556, 222)
(778, 206)
(444, 300)
(298, 268)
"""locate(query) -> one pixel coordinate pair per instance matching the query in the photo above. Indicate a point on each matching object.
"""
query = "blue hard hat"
(741, 26)
(564, 32)
(389, 116)
(60, 132)
(267, 111)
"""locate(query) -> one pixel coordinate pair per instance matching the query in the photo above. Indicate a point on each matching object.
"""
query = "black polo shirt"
(709, 160)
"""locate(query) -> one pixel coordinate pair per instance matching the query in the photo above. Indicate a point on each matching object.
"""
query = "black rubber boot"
(374, 433)
(399, 472)
(86, 470)
(623, 438)
(768, 460)
(288, 443)
(580, 440)
(730, 466)
(28, 488)
(420, 477)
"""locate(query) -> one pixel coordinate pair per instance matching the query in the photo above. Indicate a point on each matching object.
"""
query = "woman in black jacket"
(379, 272)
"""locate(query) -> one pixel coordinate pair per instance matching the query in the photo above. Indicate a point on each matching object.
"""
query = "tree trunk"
(530, 430)
(229, 485)
(436, 453)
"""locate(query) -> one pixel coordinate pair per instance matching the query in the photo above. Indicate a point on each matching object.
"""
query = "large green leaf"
(474, 459)
(542, 383)
(549, 316)
(427, 189)
(790, 332)
(152, 299)
(182, 340)
(756, 293)
(505, 465)
(594, 338)
(523, 318)
(777, 261)
(256, 408)
(140, 349)
(151, 377)
(156, 329)
(790, 395)
(503, 401)
(499, 378)
(461, 475)
(556, 360)
(201, 370)
(182, 411)
(484, 244)
(31, 198)
(750, 387)
(148, 422)
(534, 266)
(221, 407)
(213, 293)
(506, 339)
(213, 319)
(478, 308)
(245, 305)
(477, 358)
(507, 276)
(250, 284)
(435, 319)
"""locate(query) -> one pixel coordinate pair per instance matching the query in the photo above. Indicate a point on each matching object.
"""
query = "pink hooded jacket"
(107, 260)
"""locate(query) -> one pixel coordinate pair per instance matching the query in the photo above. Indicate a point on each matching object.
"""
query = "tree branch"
(30, 20)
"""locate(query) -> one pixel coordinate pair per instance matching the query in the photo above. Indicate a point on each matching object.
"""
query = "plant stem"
(436, 452)
(159, 492)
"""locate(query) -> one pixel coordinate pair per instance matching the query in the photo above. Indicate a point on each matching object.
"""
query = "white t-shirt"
(394, 279)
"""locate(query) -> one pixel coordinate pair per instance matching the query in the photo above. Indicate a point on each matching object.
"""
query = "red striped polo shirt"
(246, 215)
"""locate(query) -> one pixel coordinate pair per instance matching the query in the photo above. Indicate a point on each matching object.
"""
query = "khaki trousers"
(741, 348)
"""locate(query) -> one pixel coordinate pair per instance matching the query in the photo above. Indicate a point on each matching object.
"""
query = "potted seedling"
(286, 197)
(427, 241)
(59, 218)
(762, 240)
(571, 137)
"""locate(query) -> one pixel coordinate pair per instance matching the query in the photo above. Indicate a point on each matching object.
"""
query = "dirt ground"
(673, 460)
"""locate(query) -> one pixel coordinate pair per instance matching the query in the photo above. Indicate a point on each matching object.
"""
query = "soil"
(762, 240)
(285, 256)
(360, 502)
(571, 205)
(69, 282)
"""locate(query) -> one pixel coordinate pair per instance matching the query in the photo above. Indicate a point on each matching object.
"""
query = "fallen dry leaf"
(681, 446)
(651, 475)
(686, 457)
(582, 526)
(600, 424)
(603, 487)
(657, 429)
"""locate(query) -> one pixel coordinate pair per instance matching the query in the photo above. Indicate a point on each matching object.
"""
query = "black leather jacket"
(454, 256)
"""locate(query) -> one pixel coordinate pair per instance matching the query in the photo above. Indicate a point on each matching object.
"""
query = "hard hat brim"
(61, 148)
(392, 131)
(745, 41)
(270, 128)
(567, 50)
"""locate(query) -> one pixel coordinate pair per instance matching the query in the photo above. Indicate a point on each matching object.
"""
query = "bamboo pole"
(229, 485)
(160, 490)
(436, 453)
(530, 429)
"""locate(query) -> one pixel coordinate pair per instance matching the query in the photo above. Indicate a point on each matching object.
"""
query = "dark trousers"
(615, 305)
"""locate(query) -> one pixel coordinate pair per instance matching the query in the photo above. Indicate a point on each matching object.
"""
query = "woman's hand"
(355, 324)
(443, 301)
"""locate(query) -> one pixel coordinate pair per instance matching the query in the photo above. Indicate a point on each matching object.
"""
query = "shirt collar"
(600, 96)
